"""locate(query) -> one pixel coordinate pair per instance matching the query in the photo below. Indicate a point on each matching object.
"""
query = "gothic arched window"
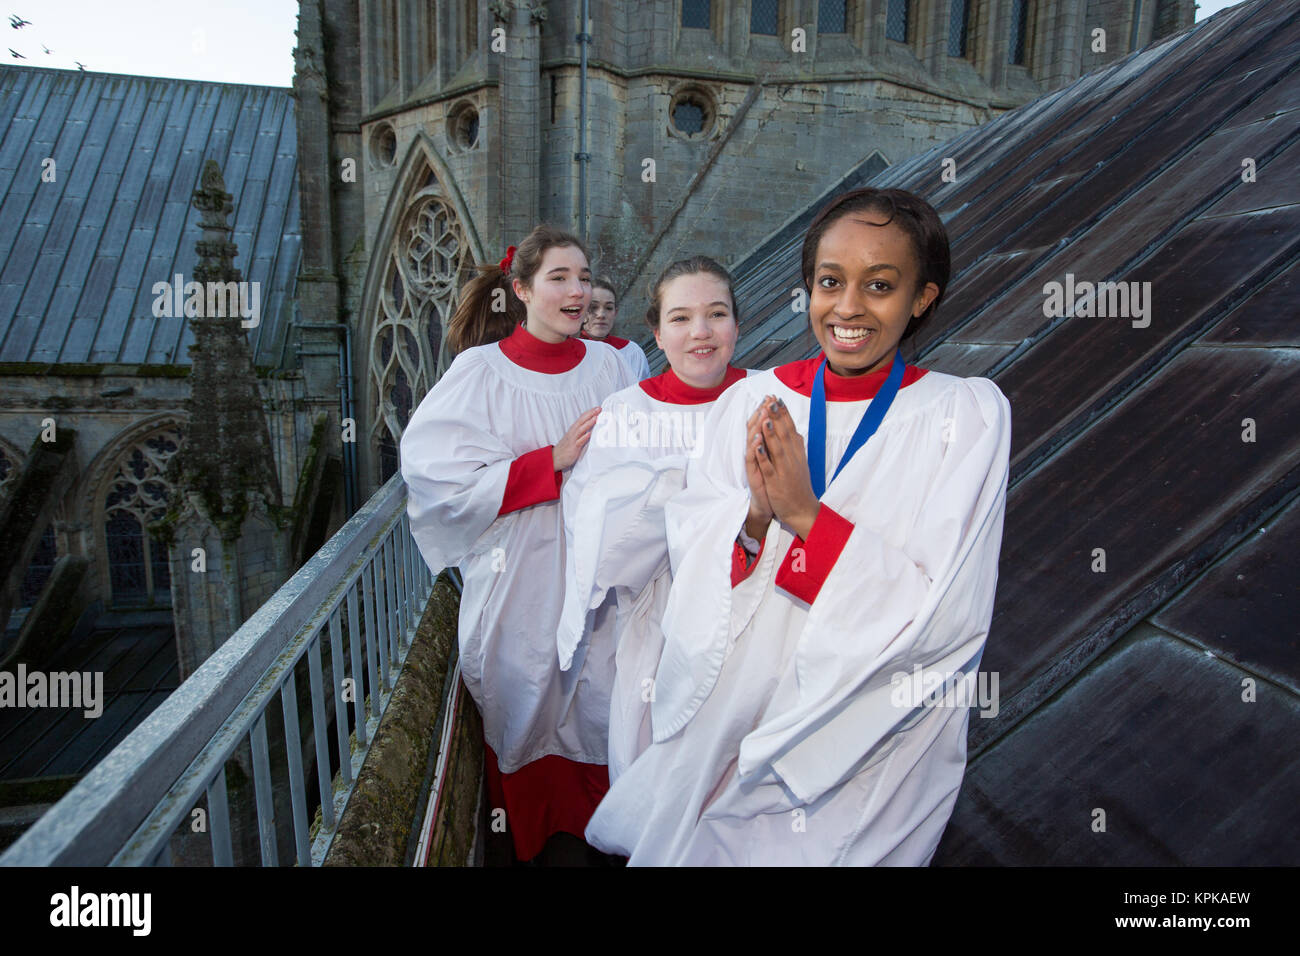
(764, 16)
(896, 17)
(832, 16)
(958, 26)
(1019, 25)
(138, 494)
(39, 568)
(696, 14)
(428, 261)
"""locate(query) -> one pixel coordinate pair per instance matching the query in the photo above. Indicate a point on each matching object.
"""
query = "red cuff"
(532, 480)
(739, 556)
(806, 564)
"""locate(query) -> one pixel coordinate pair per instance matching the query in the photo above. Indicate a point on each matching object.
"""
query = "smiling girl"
(841, 529)
(618, 572)
(484, 457)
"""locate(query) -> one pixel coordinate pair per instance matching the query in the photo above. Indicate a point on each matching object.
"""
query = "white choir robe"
(617, 553)
(634, 356)
(780, 733)
(457, 452)
(631, 354)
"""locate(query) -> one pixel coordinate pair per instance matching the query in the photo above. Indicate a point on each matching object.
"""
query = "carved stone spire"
(226, 458)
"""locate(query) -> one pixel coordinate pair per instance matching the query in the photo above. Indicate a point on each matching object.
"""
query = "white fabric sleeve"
(883, 609)
(640, 365)
(454, 466)
(614, 529)
(702, 522)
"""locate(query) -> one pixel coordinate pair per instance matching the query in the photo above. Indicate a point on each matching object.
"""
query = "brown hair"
(475, 321)
(695, 265)
(909, 212)
(600, 283)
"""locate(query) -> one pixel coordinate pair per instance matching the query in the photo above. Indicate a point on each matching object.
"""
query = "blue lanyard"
(867, 426)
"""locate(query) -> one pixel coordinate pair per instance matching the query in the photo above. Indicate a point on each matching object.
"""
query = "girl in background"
(600, 323)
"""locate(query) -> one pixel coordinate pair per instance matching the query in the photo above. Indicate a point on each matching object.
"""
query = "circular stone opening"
(692, 113)
(464, 127)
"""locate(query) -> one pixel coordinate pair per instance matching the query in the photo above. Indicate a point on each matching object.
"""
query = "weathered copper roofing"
(1164, 690)
(82, 251)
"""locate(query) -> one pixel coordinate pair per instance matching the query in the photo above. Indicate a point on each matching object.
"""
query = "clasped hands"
(777, 467)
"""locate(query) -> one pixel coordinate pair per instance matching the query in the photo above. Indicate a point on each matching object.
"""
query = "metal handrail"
(367, 586)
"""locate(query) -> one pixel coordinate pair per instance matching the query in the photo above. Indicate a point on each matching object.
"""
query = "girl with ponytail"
(484, 457)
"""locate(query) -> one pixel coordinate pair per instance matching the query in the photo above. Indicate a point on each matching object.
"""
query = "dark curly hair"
(909, 212)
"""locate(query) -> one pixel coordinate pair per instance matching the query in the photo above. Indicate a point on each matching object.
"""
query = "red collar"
(671, 389)
(840, 388)
(528, 351)
(613, 340)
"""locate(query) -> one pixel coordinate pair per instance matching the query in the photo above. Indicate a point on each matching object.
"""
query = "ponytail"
(475, 322)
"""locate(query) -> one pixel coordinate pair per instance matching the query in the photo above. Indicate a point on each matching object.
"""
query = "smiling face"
(600, 314)
(864, 292)
(559, 294)
(697, 328)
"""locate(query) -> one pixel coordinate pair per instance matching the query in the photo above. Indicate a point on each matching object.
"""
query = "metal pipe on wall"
(583, 157)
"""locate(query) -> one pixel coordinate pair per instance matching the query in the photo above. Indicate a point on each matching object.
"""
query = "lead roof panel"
(81, 253)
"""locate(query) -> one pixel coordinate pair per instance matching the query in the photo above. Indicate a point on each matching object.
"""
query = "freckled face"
(558, 297)
(864, 292)
(600, 314)
(697, 328)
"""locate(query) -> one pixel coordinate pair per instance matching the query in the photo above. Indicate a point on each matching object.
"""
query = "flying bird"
(80, 66)
(46, 49)
(18, 22)
(16, 54)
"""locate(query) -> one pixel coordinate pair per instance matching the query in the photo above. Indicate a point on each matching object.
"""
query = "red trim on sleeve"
(830, 533)
(739, 556)
(533, 479)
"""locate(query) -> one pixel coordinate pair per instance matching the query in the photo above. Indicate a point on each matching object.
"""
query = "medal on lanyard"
(867, 426)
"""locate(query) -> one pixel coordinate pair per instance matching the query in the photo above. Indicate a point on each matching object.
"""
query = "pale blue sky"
(232, 41)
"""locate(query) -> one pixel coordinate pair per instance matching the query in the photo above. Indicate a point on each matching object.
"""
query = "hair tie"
(510, 257)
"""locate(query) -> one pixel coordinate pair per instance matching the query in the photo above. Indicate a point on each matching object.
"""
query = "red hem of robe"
(840, 388)
(532, 480)
(550, 795)
(826, 540)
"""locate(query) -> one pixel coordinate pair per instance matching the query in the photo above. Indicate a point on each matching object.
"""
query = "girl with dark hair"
(618, 575)
(483, 457)
(600, 323)
(834, 558)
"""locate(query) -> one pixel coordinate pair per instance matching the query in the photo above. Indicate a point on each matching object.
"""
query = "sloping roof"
(81, 253)
(1129, 690)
